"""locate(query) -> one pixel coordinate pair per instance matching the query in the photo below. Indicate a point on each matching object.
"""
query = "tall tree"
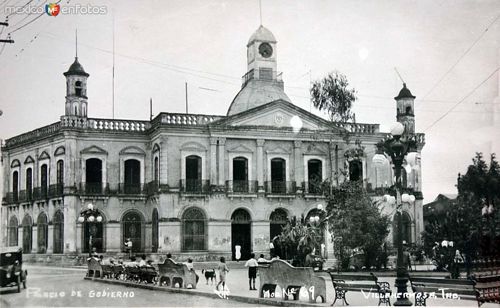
(333, 95)
(356, 223)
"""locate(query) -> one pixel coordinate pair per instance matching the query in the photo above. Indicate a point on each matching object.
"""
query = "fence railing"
(56, 190)
(87, 188)
(40, 193)
(130, 189)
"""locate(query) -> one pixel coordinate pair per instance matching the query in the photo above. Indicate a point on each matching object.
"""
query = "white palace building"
(189, 184)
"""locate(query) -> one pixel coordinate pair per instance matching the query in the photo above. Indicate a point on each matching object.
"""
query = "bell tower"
(76, 90)
(406, 109)
(261, 54)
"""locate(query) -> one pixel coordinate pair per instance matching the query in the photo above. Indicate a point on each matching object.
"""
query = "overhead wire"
(461, 57)
(462, 100)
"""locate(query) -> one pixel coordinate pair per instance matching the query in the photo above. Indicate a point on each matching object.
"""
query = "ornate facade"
(186, 183)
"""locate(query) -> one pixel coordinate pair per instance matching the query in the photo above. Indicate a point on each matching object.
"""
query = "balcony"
(130, 189)
(94, 189)
(26, 195)
(11, 197)
(56, 190)
(40, 193)
(280, 187)
(241, 187)
(315, 188)
(195, 186)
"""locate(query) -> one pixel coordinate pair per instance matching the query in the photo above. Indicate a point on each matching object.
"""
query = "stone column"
(260, 237)
(71, 236)
(147, 237)
(213, 161)
(34, 240)
(222, 155)
(220, 236)
(260, 164)
(163, 161)
(113, 237)
(298, 165)
(170, 236)
(50, 239)
(79, 237)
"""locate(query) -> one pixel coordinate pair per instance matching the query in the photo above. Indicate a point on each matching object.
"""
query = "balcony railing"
(40, 193)
(56, 190)
(195, 186)
(26, 195)
(280, 187)
(315, 188)
(242, 187)
(130, 189)
(94, 188)
(11, 197)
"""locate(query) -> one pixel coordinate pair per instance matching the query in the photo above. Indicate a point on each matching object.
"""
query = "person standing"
(237, 252)
(252, 270)
(128, 247)
(223, 270)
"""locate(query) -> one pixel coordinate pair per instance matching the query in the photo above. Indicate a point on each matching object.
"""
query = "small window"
(408, 110)
(78, 88)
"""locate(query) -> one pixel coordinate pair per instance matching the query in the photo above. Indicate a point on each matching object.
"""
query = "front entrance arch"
(132, 225)
(241, 233)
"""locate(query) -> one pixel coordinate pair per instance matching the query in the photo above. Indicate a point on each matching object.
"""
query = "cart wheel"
(19, 284)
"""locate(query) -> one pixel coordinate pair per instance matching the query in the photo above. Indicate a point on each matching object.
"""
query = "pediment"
(93, 150)
(132, 150)
(277, 114)
(240, 149)
(29, 160)
(313, 149)
(43, 156)
(60, 151)
(15, 163)
(193, 146)
(278, 150)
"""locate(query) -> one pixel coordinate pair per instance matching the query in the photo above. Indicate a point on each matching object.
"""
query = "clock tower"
(262, 83)
(405, 109)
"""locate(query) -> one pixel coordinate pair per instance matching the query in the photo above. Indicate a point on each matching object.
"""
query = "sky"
(447, 51)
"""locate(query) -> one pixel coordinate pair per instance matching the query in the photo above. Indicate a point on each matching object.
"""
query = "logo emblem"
(52, 9)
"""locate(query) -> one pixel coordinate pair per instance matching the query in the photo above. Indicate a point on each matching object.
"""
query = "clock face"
(265, 50)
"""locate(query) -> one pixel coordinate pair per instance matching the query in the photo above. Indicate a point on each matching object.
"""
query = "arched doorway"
(27, 234)
(13, 231)
(278, 220)
(194, 232)
(320, 229)
(405, 230)
(132, 225)
(42, 233)
(58, 222)
(96, 229)
(355, 170)
(154, 230)
(241, 233)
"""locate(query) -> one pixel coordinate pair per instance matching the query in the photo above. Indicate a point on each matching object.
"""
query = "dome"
(76, 69)
(256, 93)
(262, 34)
(404, 93)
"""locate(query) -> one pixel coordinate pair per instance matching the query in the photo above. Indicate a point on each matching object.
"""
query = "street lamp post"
(488, 212)
(91, 216)
(397, 148)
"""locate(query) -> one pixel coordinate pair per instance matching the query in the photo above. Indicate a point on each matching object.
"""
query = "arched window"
(279, 219)
(44, 180)
(278, 175)
(93, 176)
(194, 230)
(27, 234)
(154, 229)
(156, 171)
(314, 176)
(42, 232)
(78, 88)
(58, 222)
(29, 184)
(76, 110)
(193, 174)
(355, 170)
(132, 226)
(240, 174)
(13, 231)
(84, 110)
(132, 177)
(15, 186)
(405, 230)
(60, 177)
